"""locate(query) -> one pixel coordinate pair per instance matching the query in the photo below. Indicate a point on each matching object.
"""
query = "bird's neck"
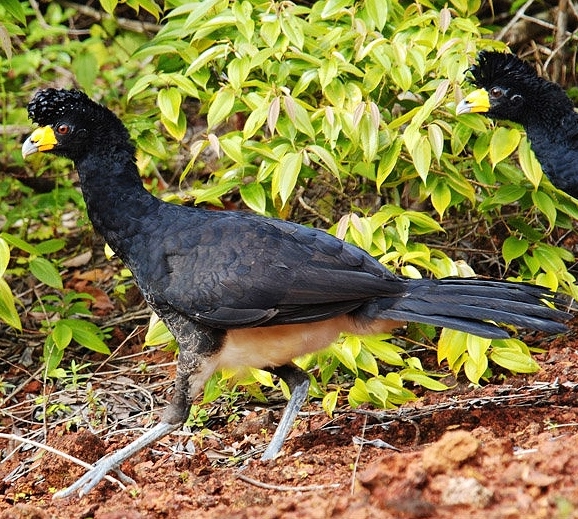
(117, 203)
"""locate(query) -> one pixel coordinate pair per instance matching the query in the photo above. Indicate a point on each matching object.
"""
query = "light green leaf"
(377, 11)
(441, 198)
(178, 129)
(16, 10)
(503, 143)
(421, 378)
(87, 334)
(369, 137)
(45, 272)
(333, 7)
(62, 335)
(388, 162)
(546, 205)
(109, 5)
(436, 139)
(20, 244)
(326, 157)
(291, 27)
(422, 158)
(157, 332)
(85, 67)
(285, 175)
(529, 164)
(169, 102)
(327, 71)
(221, 107)
(4, 256)
(513, 357)
(238, 70)
(254, 196)
(329, 402)
(384, 351)
(8, 312)
(514, 248)
(255, 121)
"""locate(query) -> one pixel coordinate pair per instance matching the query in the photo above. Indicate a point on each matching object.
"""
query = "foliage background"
(335, 114)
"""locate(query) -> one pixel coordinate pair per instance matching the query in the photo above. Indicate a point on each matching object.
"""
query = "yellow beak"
(477, 101)
(42, 139)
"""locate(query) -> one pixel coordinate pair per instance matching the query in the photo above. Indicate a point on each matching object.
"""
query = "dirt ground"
(503, 451)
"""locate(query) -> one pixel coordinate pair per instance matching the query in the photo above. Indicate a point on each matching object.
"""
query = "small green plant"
(198, 417)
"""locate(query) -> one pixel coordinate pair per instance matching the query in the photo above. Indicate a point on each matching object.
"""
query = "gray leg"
(195, 365)
(298, 382)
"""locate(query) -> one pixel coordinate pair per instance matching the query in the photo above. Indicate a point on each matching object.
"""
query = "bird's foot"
(113, 461)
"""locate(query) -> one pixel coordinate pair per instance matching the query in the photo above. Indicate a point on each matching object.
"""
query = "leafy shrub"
(357, 97)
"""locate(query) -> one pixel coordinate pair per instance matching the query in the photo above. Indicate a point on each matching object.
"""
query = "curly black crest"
(495, 67)
(51, 104)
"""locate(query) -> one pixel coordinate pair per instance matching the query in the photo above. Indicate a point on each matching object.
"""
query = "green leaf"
(20, 244)
(388, 162)
(334, 7)
(369, 137)
(150, 143)
(546, 205)
(8, 312)
(347, 351)
(86, 70)
(178, 129)
(421, 155)
(255, 121)
(169, 102)
(436, 139)
(366, 362)
(61, 334)
(285, 175)
(15, 9)
(291, 27)
(221, 107)
(361, 231)
(377, 11)
(529, 164)
(503, 143)
(378, 391)
(358, 394)
(441, 197)
(329, 402)
(109, 5)
(299, 117)
(157, 332)
(238, 70)
(327, 71)
(513, 248)
(254, 196)
(50, 246)
(45, 272)
(4, 256)
(384, 351)
(451, 346)
(513, 356)
(87, 334)
(326, 158)
(421, 378)
(476, 362)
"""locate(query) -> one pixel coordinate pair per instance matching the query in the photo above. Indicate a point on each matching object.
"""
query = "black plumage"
(510, 89)
(239, 289)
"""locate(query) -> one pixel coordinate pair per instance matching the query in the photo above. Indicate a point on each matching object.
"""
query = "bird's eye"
(496, 92)
(63, 129)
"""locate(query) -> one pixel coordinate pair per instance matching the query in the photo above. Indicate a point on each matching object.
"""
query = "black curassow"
(239, 289)
(510, 89)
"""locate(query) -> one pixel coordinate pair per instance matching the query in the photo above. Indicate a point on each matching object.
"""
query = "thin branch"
(285, 488)
(68, 457)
